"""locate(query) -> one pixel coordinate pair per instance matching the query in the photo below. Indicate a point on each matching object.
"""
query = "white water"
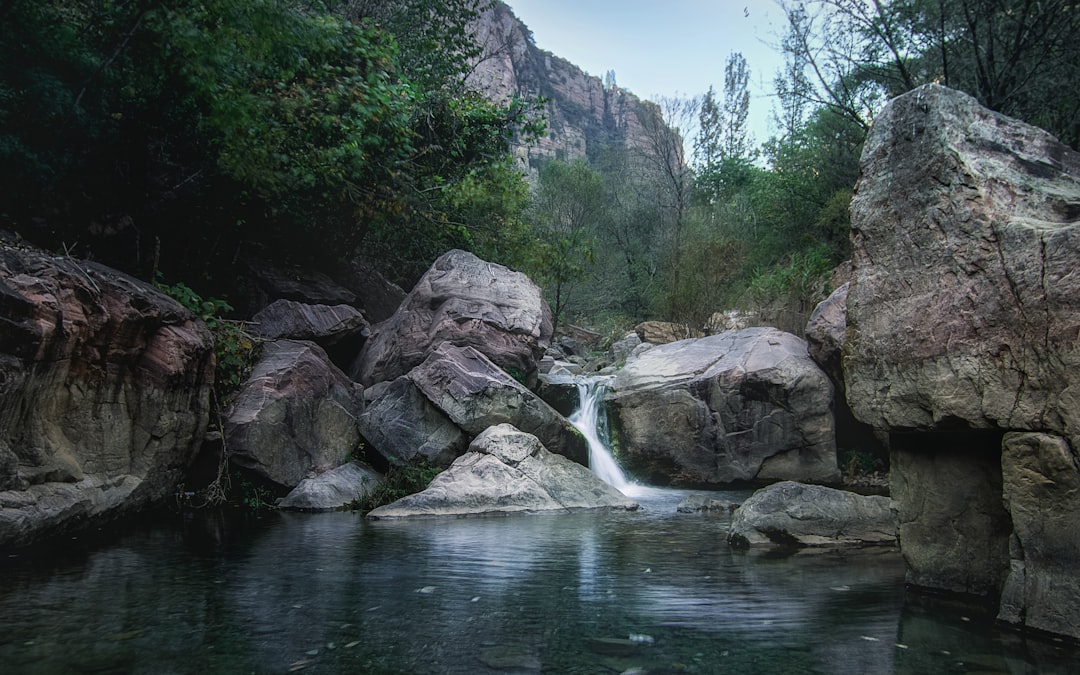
(589, 422)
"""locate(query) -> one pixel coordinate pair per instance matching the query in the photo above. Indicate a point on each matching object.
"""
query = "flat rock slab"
(508, 471)
(793, 514)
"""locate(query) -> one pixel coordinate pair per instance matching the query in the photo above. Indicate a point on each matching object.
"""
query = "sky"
(664, 47)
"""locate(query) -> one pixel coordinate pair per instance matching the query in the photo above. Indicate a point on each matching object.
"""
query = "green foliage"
(253, 496)
(235, 349)
(568, 211)
(208, 128)
(400, 481)
(854, 463)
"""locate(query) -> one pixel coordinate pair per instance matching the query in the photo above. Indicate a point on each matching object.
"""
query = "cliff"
(583, 115)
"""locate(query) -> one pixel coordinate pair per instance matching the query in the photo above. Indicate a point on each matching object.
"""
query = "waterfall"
(593, 426)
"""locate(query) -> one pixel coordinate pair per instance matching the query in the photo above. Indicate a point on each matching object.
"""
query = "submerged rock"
(508, 471)
(793, 514)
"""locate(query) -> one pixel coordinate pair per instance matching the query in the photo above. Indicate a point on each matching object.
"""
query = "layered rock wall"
(582, 114)
(104, 393)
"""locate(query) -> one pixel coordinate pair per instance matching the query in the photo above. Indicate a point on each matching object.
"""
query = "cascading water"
(593, 426)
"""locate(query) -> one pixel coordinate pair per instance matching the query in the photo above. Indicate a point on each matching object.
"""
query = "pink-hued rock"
(104, 393)
(467, 302)
(295, 416)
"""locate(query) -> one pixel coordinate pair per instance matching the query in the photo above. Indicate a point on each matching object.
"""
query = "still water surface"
(656, 591)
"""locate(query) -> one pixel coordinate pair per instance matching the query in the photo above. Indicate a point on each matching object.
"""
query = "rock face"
(793, 514)
(825, 333)
(325, 325)
(468, 302)
(104, 393)
(332, 490)
(1041, 484)
(508, 471)
(963, 314)
(474, 394)
(583, 114)
(965, 296)
(745, 405)
(295, 415)
(403, 426)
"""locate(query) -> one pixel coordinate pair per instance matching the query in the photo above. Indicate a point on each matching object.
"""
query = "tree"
(669, 177)
(735, 141)
(206, 128)
(568, 210)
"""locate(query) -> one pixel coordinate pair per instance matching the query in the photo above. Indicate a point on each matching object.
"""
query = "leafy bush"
(401, 480)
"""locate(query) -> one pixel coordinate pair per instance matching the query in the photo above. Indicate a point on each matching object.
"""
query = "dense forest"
(172, 139)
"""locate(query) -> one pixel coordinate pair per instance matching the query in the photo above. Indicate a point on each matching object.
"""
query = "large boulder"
(965, 300)
(825, 334)
(744, 405)
(962, 324)
(475, 394)
(295, 416)
(104, 393)
(468, 302)
(508, 471)
(794, 514)
(403, 426)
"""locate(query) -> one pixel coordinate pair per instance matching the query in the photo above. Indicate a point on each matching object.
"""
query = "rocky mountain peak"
(582, 114)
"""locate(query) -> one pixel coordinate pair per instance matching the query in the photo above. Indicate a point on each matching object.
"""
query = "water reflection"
(588, 593)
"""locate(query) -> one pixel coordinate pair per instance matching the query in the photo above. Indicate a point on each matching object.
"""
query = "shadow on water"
(583, 593)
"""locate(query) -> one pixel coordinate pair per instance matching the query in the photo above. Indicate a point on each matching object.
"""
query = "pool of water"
(648, 592)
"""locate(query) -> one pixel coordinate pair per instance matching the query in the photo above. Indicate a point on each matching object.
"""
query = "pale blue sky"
(664, 47)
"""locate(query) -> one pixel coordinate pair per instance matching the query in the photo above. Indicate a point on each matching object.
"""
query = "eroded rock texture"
(963, 320)
(508, 471)
(474, 394)
(965, 303)
(793, 514)
(295, 416)
(744, 405)
(104, 393)
(468, 302)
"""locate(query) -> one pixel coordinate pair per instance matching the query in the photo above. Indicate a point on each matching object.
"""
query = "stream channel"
(652, 591)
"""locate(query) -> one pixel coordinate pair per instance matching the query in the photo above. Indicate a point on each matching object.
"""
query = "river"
(656, 590)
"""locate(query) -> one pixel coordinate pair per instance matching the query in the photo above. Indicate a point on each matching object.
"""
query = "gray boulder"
(793, 514)
(962, 322)
(295, 415)
(403, 426)
(468, 302)
(825, 333)
(965, 299)
(507, 471)
(326, 325)
(104, 394)
(475, 394)
(744, 405)
(332, 490)
(1041, 483)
